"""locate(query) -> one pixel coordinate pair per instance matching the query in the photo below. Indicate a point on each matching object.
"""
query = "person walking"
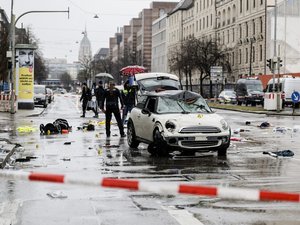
(128, 95)
(86, 96)
(99, 93)
(111, 99)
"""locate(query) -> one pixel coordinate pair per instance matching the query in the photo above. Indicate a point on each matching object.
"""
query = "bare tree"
(4, 45)
(66, 80)
(182, 60)
(208, 54)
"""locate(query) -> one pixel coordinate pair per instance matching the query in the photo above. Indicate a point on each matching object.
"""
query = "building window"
(241, 6)
(247, 30)
(232, 59)
(261, 25)
(253, 54)
(233, 35)
(246, 60)
(254, 1)
(254, 27)
(260, 53)
(240, 56)
(247, 5)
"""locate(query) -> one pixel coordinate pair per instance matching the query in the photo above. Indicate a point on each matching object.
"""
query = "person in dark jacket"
(111, 99)
(128, 95)
(86, 96)
(99, 93)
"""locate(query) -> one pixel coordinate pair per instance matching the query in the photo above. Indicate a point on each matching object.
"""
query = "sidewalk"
(257, 110)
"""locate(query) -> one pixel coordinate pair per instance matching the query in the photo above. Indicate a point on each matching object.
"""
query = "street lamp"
(13, 23)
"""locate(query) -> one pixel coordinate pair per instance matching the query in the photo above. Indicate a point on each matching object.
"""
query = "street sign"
(295, 96)
(216, 71)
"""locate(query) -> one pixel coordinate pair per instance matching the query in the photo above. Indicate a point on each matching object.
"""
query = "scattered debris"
(66, 159)
(235, 139)
(59, 126)
(111, 146)
(283, 153)
(239, 130)
(280, 130)
(67, 143)
(264, 125)
(57, 194)
(248, 123)
(26, 129)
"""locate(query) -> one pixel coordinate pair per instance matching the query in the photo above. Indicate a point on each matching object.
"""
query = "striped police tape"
(158, 188)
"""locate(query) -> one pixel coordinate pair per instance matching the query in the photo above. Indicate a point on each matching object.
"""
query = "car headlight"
(224, 124)
(170, 126)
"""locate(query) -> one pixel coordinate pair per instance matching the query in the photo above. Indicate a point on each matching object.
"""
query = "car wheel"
(239, 103)
(45, 105)
(222, 150)
(253, 103)
(160, 144)
(131, 137)
(152, 149)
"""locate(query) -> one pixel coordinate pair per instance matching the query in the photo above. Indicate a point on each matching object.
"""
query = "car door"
(148, 119)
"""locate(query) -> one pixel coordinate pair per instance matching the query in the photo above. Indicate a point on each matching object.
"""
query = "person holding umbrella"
(99, 93)
(111, 99)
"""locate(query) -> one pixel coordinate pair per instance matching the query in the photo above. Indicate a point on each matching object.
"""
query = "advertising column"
(25, 76)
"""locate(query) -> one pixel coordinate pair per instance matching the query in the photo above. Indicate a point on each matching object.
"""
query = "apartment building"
(237, 25)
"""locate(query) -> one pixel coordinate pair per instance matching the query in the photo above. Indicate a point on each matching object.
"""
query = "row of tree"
(196, 56)
(192, 56)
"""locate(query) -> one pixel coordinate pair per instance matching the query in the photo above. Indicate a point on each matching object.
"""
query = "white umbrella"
(104, 76)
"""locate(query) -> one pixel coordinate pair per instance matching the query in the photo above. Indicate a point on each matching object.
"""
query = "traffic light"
(279, 63)
(270, 64)
(9, 65)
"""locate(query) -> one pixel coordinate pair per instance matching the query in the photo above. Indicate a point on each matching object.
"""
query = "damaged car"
(177, 120)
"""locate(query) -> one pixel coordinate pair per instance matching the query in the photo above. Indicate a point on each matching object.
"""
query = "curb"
(259, 112)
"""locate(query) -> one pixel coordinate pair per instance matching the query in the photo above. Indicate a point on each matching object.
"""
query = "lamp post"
(13, 23)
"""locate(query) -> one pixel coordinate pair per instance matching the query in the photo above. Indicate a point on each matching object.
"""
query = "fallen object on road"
(283, 153)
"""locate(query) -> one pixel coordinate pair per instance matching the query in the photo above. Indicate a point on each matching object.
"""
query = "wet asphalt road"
(92, 155)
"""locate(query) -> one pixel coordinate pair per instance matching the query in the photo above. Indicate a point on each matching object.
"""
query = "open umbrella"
(104, 76)
(132, 70)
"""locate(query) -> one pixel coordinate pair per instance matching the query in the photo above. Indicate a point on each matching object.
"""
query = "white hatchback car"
(177, 120)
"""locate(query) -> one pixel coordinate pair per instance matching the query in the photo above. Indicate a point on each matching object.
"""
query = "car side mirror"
(146, 111)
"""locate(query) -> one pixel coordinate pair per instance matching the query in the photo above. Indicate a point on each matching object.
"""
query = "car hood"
(256, 92)
(192, 119)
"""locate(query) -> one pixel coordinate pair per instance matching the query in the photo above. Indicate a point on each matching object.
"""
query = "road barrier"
(158, 187)
(5, 102)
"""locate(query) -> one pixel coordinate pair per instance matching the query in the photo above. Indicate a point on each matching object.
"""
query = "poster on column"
(25, 76)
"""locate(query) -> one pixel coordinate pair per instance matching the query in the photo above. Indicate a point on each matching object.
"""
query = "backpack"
(63, 124)
(50, 128)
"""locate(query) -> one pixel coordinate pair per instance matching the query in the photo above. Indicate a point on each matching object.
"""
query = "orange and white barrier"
(269, 95)
(157, 187)
(5, 102)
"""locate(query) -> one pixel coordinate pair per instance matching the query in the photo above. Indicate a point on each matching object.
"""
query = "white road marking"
(182, 216)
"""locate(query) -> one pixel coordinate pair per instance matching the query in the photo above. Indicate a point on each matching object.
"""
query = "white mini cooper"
(177, 120)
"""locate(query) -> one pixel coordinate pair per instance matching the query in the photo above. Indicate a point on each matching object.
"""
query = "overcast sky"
(60, 37)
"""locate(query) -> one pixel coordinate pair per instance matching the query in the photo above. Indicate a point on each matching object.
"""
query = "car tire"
(131, 137)
(222, 150)
(159, 143)
(45, 105)
(239, 103)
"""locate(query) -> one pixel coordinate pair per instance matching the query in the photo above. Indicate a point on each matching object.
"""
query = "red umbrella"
(132, 70)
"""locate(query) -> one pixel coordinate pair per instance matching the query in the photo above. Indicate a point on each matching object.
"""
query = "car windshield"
(39, 90)
(255, 85)
(230, 93)
(192, 105)
(153, 84)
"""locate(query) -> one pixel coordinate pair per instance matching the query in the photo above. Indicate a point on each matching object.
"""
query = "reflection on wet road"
(90, 154)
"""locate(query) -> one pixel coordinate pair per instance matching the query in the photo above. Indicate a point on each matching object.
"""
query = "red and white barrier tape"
(159, 188)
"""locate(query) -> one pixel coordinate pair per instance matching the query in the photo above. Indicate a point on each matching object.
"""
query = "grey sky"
(59, 35)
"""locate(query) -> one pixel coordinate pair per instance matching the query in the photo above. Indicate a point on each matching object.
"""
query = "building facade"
(85, 49)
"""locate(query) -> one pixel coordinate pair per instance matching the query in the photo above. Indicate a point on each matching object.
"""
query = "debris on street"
(57, 194)
(283, 153)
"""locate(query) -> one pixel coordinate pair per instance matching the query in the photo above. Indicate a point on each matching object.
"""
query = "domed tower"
(85, 50)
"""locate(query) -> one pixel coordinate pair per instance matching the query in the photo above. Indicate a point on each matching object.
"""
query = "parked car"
(249, 91)
(227, 96)
(148, 82)
(40, 95)
(50, 95)
(177, 120)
